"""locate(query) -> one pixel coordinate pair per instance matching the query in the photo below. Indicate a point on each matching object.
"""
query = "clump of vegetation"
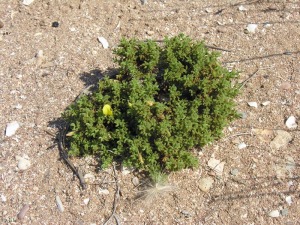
(164, 101)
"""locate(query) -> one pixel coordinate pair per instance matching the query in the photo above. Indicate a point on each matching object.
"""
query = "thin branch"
(245, 81)
(116, 198)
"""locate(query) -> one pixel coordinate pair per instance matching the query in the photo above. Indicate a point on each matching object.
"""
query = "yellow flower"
(107, 110)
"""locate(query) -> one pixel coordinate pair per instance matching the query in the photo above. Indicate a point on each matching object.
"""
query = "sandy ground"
(43, 68)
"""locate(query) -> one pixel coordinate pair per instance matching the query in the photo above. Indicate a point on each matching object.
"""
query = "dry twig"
(116, 198)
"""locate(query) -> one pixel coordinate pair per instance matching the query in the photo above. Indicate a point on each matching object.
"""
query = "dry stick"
(245, 81)
(65, 157)
(116, 198)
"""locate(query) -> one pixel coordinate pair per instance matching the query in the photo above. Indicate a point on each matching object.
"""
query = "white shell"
(27, 2)
(253, 104)
(291, 122)
(11, 128)
(104, 42)
(251, 28)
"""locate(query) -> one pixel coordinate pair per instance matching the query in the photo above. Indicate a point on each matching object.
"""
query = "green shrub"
(164, 101)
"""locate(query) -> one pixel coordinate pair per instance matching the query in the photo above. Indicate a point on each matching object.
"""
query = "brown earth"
(43, 86)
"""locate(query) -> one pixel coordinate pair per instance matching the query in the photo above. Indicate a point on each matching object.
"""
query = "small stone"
(274, 213)
(27, 2)
(135, 181)
(89, 178)
(18, 106)
(104, 42)
(266, 103)
(23, 163)
(251, 28)
(285, 85)
(290, 164)
(23, 212)
(243, 115)
(291, 123)
(242, 8)
(216, 165)
(55, 24)
(11, 128)
(281, 140)
(150, 32)
(1, 24)
(253, 104)
(205, 184)
(284, 212)
(86, 201)
(234, 172)
(59, 204)
(3, 198)
(126, 171)
(288, 200)
(103, 191)
(242, 145)
(144, 2)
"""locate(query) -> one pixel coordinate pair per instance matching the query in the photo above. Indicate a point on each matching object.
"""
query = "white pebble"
(266, 103)
(253, 104)
(291, 123)
(104, 42)
(281, 140)
(59, 204)
(103, 191)
(23, 163)
(288, 200)
(135, 181)
(205, 184)
(11, 128)
(27, 2)
(242, 8)
(86, 201)
(3, 198)
(216, 165)
(274, 213)
(242, 145)
(251, 28)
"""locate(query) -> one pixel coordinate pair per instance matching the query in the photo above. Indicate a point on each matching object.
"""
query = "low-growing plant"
(164, 101)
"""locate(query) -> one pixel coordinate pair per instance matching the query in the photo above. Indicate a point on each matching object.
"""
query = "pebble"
(103, 191)
(216, 165)
(89, 178)
(126, 170)
(243, 115)
(274, 213)
(242, 8)
(27, 2)
(1, 24)
(286, 85)
(251, 28)
(242, 145)
(11, 128)
(55, 24)
(284, 212)
(288, 200)
(23, 212)
(281, 140)
(86, 201)
(104, 42)
(234, 172)
(291, 123)
(290, 164)
(266, 103)
(59, 204)
(135, 181)
(253, 104)
(3, 198)
(23, 162)
(205, 183)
